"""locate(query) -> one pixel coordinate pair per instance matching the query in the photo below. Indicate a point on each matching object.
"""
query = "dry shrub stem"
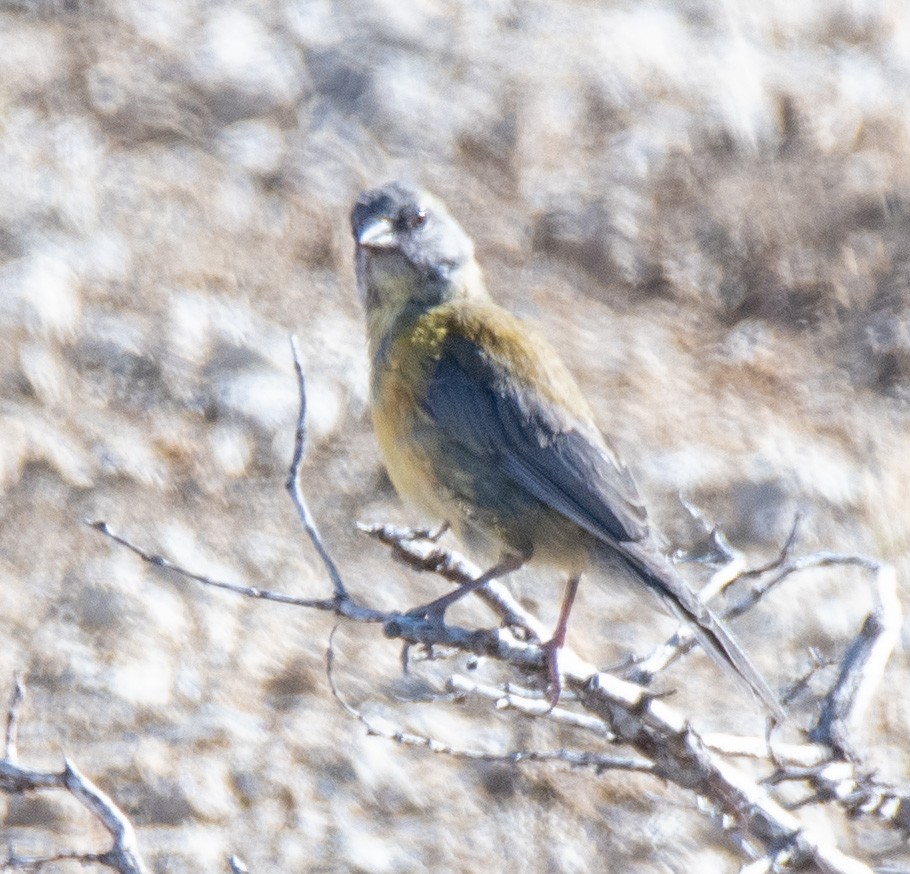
(662, 740)
(123, 856)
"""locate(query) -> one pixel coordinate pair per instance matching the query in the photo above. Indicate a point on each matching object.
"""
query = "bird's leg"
(435, 610)
(556, 642)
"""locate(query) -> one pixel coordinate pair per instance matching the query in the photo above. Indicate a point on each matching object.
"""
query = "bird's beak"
(377, 233)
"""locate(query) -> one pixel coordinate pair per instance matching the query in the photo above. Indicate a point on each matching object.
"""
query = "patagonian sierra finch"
(482, 425)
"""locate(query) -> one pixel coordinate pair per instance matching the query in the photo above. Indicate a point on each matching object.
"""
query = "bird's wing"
(519, 421)
(505, 410)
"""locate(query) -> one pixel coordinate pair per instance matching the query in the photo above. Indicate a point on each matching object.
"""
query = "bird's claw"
(427, 613)
(554, 682)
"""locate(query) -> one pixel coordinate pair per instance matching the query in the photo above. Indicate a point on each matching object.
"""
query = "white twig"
(124, 855)
(862, 666)
(343, 605)
(734, 569)
(419, 550)
(665, 741)
(12, 719)
(14, 779)
(574, 758)
(293, 480)
(539, 706)
(801, 755)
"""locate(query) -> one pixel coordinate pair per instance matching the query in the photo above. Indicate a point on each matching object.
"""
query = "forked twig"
(293, 480)
(123, 856)
(665, 740)
(573, 758)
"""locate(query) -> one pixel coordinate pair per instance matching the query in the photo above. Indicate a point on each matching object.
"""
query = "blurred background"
(705, 205)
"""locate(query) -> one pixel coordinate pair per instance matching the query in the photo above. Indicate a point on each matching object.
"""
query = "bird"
(482, 426)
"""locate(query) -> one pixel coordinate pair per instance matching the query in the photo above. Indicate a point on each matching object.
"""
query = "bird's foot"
(419, 625)
(552, 647)
(554, 682)
(433, 613)
(433, 535)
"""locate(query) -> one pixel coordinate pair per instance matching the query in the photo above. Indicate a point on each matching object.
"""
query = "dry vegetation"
(707, 207)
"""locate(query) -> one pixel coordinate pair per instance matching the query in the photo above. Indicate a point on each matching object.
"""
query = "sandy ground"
(705, 206)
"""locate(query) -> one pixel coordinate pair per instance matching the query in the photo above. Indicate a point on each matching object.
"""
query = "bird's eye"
(414, 218)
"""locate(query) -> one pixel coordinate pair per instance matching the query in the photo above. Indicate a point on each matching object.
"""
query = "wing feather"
(511, 422)
(561, 459)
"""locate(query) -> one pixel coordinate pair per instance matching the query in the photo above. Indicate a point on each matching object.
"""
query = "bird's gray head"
(409, 249)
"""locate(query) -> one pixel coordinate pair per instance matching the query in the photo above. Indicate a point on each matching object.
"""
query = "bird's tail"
(660, 576)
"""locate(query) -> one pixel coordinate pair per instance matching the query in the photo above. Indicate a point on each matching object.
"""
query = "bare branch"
(412, 629)
(573, 758)
(342, 605)
(798, 754)
(750, 804)
(794, 565)
(418, 549)
(536, 706)
(238, 866)
(124, 854)
(293, 481)
(801, 684)
(862, 666)
(663, 740)
(630, 711)
(837, 778)
(656, 731)
(15, 779)
(683, 640)
(12, 719)
(860, 795)
(782, 556)
(34, 863)
(734, 569)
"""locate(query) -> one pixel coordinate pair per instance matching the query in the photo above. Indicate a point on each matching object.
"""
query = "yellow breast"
(400, 371)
